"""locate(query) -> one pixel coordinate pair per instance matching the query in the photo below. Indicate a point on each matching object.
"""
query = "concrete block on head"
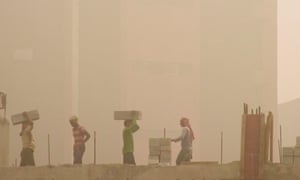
(127, 115)
(20, 118)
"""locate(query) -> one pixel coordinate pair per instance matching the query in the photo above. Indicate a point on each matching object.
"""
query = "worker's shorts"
(184, 155)
(128, 158)
(78, 152)
(27, 157)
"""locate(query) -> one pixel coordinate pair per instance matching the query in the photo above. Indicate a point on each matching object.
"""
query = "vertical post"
(293, 160)
(279, 151)
(4, 136)
(4, 115)
(261, 146)
(272, 137)
(95, 148)
(49, 158)
(280, 145)
(243, 137)
(221, 147)
(267, 143)
(3, 103)
(164, 132)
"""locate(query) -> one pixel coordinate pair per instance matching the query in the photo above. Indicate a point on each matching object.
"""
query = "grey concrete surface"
(121, 172)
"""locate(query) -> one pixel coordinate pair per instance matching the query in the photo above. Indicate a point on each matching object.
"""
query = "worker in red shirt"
(81, 136)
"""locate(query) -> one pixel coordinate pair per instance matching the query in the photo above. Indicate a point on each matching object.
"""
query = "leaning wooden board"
(127, 115)
(20, 118)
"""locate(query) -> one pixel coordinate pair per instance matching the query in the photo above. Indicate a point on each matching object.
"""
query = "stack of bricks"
(165, 151)
(160, 151)
(154, 150)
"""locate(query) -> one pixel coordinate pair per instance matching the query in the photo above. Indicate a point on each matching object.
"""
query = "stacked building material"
(288, 153)
(291, 155)
(165, 151)
(298, 142)
(159, 151)
(154, 150)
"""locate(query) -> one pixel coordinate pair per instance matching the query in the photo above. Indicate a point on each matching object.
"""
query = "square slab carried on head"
(20, 118)
(127, 115)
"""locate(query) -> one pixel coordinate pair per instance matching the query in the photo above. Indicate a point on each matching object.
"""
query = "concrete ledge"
(201, 163)
(121, 172)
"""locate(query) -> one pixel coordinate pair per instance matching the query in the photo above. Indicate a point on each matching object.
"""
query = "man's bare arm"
(30, 127)
(87, 136)
(26, 115)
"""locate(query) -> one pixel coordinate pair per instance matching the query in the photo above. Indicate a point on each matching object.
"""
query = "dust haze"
(168, 59)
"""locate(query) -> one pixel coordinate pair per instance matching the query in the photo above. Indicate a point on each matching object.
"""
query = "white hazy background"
(288, 70)
(196, 58)
(288, 50)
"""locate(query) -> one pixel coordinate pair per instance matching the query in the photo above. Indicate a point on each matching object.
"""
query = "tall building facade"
(196, 58)
(35, 58)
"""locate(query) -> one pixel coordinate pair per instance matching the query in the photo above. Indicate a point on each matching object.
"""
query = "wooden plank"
(252, 147)
(242, 161)
(267, 140)
(261, 147)
(271, 136)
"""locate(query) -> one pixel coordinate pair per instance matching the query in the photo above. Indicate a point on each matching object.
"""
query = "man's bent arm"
(87, 136)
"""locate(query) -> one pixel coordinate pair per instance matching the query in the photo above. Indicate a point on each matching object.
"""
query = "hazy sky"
(123, 66)
(288, 50)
